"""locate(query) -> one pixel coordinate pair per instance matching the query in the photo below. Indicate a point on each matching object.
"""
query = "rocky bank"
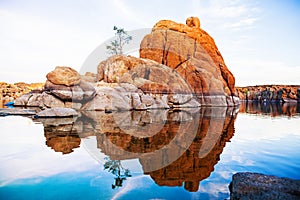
(11, 91)
(270, 93)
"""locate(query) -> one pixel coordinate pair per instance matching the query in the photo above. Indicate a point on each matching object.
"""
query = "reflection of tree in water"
(115, 167)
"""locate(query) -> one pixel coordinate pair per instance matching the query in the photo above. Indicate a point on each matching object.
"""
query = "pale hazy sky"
(259, 40)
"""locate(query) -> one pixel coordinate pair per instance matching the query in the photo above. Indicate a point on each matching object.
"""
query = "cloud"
(243, 23)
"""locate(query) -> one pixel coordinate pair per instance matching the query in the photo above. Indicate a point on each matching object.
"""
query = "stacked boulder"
(63, 89)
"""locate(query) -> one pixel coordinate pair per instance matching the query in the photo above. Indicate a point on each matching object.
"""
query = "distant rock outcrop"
(270, 93)
(193, 54)
(9, 92)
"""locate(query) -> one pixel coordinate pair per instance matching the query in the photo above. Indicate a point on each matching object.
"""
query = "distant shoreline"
(11, 91)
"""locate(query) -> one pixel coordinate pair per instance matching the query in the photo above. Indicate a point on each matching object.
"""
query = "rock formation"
(63, 89)
(270, 93)
(193, 54)
(180, 67)
(10, 92)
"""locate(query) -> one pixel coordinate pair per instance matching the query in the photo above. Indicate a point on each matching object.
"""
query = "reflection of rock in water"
(273, 109)
(172, 147)
(61, 134)
(192, 166)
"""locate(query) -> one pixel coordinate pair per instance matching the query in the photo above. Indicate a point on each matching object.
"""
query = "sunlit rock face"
(194, 55)
(173, 147)
(139, 84)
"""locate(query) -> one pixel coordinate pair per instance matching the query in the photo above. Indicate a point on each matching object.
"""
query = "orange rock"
(193, 53)
(63, 75)
(145, 74)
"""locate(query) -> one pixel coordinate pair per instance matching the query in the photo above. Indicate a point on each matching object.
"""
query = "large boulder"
(157, 85)
(82, 91)
(148, 75)
(63, 75)
(192, 52)
(249, 185)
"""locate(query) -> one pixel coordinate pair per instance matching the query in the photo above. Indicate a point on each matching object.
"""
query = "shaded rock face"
(259, 186)
(193, 54)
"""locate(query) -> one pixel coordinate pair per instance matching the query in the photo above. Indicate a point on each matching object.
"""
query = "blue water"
(33, 169)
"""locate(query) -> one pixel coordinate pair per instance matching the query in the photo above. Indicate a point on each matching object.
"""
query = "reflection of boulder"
(274, 109)
(192, 166)
(145, 134)
(61, 134)
(174, 148)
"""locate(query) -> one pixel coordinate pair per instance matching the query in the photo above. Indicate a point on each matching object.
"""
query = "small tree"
(122, 38)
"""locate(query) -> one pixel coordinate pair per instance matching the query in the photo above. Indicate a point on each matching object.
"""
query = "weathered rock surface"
(57, 112)
(42, 100)
(193, 54)
(147, 75)
(259, 186)
(151, 85)
(284, 93)
(82, 91)
(63, 75)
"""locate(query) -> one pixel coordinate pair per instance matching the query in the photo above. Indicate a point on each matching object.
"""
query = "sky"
(259, 40)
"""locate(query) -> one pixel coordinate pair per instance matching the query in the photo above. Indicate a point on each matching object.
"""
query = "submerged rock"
(248, 185)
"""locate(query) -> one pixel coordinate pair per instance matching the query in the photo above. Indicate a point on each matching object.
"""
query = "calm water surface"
(159, 154)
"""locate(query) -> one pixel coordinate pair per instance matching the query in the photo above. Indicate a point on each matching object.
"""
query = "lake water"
(160, 154)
